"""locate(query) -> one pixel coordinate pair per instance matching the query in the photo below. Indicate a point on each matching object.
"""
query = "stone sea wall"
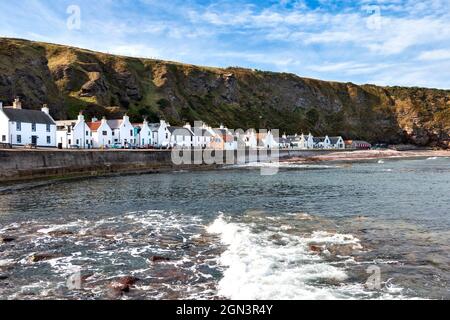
(16, 165)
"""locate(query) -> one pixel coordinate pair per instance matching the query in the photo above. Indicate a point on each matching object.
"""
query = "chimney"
(188, 126)
(103, 120)
(45, 109)
(126, 117)
(17, 104)
(145, 121)
(80, 117)
(94, 119)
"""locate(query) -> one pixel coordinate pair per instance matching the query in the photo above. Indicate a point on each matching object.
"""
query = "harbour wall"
(19, 164)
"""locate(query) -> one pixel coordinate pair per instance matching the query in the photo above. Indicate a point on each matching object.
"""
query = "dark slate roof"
(154, 126)
(318, 139)
(180, 131)
(334, 140)
(28, 116)
(200, 131)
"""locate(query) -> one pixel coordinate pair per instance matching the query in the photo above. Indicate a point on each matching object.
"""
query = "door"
(34, 140)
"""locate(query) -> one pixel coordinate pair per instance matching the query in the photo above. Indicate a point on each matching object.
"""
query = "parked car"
(116, 146)
(74, 146)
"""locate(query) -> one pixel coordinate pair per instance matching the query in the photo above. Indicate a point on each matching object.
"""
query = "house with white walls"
(74, 134)
(143, 134)
(337, 143)
(250, 140)
(305, 142)
(322, 142)
(201, 135)
(23, 127)
(267, 140)
(122, 131)
(101, 133)
(180, 137)
(160, 134)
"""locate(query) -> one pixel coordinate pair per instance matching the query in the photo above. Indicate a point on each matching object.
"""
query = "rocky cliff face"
(71, 79)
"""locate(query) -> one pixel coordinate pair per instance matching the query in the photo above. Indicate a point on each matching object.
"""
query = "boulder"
(159, 259)
(44, 256)
(7, 239)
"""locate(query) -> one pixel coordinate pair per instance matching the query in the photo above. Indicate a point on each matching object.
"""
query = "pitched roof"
(114, 124)
(180, 131)
(334, 140)
(201, 132)
(94, 125)
(28, 116)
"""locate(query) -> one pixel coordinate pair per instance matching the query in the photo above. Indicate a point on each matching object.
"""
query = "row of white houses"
(21, 127)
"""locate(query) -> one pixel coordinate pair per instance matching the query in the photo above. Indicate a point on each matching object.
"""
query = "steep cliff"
(71, 79)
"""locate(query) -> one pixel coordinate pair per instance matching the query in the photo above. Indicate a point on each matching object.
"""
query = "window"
(131, 132)
(87, 133)
(78, 141)
(70, 142)
(3, 138)
(49, 140)
(19, 138)
(105, 133)
(18, 126)
(33, 127)
(48, 128)
(113, 133)
(167, 136)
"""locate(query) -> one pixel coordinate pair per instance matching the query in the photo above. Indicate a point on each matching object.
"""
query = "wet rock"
(60, 233)
(7, 239)
(315, 248)
(128, 280)
(44, 256)
(3, 277)
(341, 250)
(159, 259)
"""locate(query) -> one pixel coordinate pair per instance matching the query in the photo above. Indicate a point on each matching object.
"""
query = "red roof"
(94, 125)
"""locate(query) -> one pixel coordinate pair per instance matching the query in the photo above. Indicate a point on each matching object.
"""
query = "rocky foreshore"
(365, 155)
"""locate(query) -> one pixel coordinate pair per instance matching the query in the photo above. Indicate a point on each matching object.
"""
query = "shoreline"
(367, 155)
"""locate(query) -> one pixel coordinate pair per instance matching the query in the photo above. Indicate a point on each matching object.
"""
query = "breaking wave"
(274, 264)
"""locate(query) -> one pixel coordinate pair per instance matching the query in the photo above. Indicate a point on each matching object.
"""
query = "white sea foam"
(380, 161)
(281, 165)
(256, 267)
(432, 158)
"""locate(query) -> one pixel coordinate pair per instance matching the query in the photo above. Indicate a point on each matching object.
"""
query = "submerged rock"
(315, 248)
(128, 280)
(159, 259)
(7, 239)
(44, 256)
(60, 233)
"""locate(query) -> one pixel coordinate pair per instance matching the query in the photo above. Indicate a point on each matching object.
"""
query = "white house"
(143, 133)
(201, 136)
(72, 133)
(160, 134)
(180, 137)
(322, 143)
(267, 140)
(122, 131)
(250, 139)
(22, 127)
(337, 143)
(101, 133)
(306, 142)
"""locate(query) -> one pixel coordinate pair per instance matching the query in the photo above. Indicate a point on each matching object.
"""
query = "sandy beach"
(363, 155)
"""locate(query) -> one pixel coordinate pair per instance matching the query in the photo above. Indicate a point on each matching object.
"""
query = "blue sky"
(386, 42)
